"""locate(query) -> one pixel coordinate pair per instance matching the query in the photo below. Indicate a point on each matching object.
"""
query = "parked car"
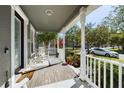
(104, 52)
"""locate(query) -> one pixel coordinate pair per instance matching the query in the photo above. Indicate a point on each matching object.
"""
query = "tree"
(90, 35)
(45, 38)
(115, 40)
(102, 35)
(73, 36)
(115, 21)
(122, 40)
(96, 36)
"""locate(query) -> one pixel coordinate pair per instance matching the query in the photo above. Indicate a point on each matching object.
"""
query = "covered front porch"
(24, 63)
(26, 22)
(50, 73)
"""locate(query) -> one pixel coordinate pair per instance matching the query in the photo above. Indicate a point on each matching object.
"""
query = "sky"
(98, 15)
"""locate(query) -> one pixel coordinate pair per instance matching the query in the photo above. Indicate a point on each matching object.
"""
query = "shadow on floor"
(80, 83)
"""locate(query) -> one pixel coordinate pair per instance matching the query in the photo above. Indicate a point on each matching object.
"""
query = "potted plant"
(69, 60)
(76, 61)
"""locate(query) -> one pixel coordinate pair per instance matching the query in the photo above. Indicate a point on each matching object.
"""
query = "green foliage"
(46, 37)
(73, 36)
(110, 31)
(115, 39)
(90, 35)
(115, 22)
(122, 40)
(102, 35)
(97, 36)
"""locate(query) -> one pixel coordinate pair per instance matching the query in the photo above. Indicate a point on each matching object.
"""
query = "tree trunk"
(73, 46)
(119, 47)
(113, 47)
(122, 47)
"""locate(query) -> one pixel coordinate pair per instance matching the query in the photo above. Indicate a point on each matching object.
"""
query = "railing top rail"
(107, 60)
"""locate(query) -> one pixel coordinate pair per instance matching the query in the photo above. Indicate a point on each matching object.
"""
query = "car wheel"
(107, 55)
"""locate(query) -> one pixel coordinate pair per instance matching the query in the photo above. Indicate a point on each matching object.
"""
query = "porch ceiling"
(61, 16)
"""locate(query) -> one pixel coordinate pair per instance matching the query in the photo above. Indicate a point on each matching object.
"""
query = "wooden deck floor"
(51, 75)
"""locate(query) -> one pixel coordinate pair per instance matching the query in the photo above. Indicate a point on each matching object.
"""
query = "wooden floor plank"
(51, 75)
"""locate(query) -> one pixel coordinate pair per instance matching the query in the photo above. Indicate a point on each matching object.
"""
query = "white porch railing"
(104, 73)
(41, 55)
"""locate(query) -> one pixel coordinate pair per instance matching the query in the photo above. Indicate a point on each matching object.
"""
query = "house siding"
(5, 42)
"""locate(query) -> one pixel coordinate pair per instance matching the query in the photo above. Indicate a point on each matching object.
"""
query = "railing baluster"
(99, 71)
(87, 66)
(120, 76)
(91, 69)
(111, 75)
(94, 71)
(104, 74)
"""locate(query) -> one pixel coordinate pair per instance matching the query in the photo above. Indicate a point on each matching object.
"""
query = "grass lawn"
(118, 50)
(70, 48)
(110, 58)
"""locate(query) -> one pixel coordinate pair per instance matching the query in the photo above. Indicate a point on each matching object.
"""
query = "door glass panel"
(17, 43)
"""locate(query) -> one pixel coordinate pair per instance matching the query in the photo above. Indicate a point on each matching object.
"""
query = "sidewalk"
(121, 56)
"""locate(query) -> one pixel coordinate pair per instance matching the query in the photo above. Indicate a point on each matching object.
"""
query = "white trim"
(120, 77)
(12, 48)
(58, 42)
(25, 45)
(99, 73)
(107, 61)
(20, 12)
(64, 47)
(111, 75)
(26, 21)
(104, 75)
(83, 52)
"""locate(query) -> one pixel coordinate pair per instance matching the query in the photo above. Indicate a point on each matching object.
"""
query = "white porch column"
(58, 42)
(83, 52)
(64, 46)
(34, 41)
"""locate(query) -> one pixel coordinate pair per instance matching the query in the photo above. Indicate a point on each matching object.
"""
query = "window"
(19, 41)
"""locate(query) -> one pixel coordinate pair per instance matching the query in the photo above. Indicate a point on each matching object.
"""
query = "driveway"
(121, 56)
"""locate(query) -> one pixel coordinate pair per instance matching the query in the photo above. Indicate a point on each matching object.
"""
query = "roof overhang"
(90, 9)
(63, 16)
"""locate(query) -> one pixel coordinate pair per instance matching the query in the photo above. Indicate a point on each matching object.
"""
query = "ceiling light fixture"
(49, 12)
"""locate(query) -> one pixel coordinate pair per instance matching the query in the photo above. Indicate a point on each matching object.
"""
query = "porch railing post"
(83, 52)
(64, 45)
(58, 43)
